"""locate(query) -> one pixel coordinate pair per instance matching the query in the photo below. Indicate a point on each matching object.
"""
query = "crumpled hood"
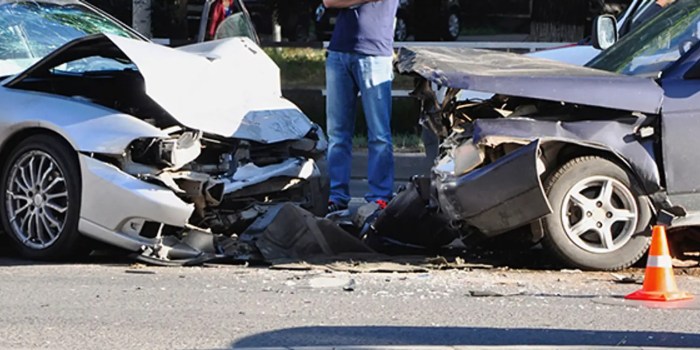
(211, 87)
(522, 76)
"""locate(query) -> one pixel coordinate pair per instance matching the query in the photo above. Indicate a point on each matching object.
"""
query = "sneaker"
(336, 207)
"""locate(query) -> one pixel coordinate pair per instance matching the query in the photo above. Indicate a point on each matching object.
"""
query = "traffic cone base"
(659, 281)
(659, 296)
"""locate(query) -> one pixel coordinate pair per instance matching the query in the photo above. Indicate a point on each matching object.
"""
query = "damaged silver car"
(108, 137)
(587, 157)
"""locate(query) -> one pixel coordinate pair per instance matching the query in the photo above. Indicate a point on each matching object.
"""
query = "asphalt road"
(108, 304)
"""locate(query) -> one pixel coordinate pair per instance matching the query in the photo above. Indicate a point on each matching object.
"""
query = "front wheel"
(40, 198)
(600, 220)
(453, 26)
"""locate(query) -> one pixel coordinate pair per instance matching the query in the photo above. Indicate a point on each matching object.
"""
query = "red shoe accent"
(382, 204)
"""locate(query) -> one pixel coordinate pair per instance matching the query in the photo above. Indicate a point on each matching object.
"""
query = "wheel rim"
(401, 30)
(453, 25)
(37, 199)
(599, 214)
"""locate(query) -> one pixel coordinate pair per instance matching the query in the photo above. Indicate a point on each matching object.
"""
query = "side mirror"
(604, 32)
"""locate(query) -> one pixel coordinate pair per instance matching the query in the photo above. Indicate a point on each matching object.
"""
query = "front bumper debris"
(498, 197)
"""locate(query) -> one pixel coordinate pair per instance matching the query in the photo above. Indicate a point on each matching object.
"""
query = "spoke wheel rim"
(401, 30)
(36, 199)
(453, 25)
(599, 214)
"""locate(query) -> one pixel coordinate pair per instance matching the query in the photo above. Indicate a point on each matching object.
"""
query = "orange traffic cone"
(659, 281)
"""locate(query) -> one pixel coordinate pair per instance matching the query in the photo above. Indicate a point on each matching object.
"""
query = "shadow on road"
(461, 336)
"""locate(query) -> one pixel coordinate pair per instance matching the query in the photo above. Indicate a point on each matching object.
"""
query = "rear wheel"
(599, 219)
(40, 201)
(401, 29)
(453, 26)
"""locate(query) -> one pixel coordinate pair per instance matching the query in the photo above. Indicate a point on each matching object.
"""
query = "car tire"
(40, 200)
(600, 219)
(453, 26)
(401, 29)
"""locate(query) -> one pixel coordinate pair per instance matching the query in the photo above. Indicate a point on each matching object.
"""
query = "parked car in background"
(584, 51)
(422, 19)
(162, 152)
(588, 157)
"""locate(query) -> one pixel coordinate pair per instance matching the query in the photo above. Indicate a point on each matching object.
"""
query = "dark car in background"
(422, 19)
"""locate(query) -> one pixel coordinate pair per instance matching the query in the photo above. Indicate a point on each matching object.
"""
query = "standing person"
(360, 61)
(222, 9)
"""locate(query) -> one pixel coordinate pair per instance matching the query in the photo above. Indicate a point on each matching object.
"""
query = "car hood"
(522, 76)
(213, 87)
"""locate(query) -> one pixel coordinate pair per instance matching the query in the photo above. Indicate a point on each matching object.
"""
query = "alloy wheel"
(37, 199)
(599, 214)
(453, 25)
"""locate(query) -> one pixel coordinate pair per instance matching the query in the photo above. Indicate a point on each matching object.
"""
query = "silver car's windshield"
(656, 45)
(30, 30)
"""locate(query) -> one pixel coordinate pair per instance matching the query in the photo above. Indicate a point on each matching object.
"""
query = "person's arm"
(345, 3)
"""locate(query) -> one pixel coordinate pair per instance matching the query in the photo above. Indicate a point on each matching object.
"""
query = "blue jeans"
(371, 76)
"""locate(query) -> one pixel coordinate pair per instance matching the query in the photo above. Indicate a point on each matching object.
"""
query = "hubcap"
(401, 30)
(599, 214)
(453, 25)
(37, 199)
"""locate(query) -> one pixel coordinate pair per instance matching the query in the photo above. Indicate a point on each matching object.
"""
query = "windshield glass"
(31, 30)
(656, 45)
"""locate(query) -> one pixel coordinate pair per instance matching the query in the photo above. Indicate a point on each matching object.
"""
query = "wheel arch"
(17, 136)
(556, 154)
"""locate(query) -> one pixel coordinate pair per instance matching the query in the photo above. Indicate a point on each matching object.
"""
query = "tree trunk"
(142, 17)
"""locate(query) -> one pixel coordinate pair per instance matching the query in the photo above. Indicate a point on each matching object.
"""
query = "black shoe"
(336, 207)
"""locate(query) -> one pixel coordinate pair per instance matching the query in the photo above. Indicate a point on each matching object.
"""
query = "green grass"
(403, 143)
(306, 68)
(300, 67)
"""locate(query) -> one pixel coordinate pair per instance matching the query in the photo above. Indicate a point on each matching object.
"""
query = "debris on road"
(350, 286)
(490, 294)
(622, 279)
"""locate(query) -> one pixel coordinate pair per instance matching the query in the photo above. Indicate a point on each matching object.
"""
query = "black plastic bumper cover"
(499, 197)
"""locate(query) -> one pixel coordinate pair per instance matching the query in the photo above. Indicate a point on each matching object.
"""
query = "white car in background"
(582, 53)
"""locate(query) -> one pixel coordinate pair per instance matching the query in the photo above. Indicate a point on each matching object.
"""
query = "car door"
(680, 125)
(238, 24)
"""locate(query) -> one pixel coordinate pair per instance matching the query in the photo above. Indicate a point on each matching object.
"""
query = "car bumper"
(116, 205)
(498, 197)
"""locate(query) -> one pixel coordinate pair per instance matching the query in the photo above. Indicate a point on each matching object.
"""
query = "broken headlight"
(167, 153)
(467, 157)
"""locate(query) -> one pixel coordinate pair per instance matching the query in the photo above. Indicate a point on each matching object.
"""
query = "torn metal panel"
(207, 82)
(522, 76)
(621, 137)
(251, 174)
(489, 199)
(272, 126)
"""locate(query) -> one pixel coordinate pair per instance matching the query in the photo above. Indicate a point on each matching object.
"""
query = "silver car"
(106, 136)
